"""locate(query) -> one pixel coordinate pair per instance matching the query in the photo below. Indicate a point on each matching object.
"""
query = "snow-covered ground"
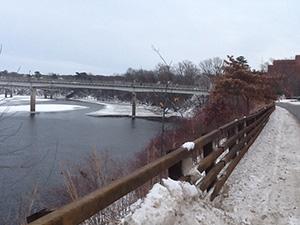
(124, 109)
(290, 101)
(22, 104)
(263, 189)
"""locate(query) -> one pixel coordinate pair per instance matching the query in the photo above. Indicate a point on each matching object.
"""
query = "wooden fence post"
(245, 125)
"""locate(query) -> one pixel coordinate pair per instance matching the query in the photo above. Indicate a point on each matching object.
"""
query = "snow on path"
(263, 189)
(265, 186)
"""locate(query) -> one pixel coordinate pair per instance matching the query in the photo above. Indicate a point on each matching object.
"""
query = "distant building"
(285, 66)
(288, 72)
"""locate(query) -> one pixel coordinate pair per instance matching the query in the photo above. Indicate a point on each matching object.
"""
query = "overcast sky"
(109, 36)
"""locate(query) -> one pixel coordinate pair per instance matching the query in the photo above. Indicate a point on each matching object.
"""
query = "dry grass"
(96, 171)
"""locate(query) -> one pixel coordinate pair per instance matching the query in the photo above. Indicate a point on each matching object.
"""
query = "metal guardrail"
(239, 135)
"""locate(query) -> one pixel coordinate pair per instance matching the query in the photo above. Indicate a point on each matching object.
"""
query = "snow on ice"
(125, 109)
(7, 107)
(40, 108)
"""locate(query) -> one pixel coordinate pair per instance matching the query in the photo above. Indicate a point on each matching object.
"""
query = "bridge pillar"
(32, 100)
(133, 101)
(45, 94)
(5, 93)
(51, 94)
(11, 93)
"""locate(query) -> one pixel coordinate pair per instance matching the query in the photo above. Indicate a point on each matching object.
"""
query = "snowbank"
(176, 202)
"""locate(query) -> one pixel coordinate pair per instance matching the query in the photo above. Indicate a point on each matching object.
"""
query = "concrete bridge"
(34, 83)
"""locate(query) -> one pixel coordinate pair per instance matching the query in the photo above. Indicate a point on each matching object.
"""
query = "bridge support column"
(32, 100)
(5, 93)
(133, 105)
(11, 93)
(51, 95)
(45, 94)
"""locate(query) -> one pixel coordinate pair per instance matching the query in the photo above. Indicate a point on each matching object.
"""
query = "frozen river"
(33, 147)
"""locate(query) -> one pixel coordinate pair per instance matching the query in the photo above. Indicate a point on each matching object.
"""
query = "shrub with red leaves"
(238, 92)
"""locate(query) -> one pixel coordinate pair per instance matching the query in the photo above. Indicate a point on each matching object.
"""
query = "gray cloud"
(105, 37)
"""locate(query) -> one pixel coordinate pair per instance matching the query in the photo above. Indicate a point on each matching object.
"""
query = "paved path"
(292, 108)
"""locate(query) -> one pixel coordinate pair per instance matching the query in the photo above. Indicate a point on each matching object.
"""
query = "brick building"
(285, 66)
(289, 70)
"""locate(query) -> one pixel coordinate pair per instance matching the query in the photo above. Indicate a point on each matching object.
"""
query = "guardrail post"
(244, 126)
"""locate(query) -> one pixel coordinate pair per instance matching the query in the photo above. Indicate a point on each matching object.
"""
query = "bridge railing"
(216, 154)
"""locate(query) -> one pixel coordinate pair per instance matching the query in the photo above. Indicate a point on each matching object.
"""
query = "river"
(34, 147)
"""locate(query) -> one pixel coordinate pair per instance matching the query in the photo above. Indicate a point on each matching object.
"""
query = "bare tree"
(188, 70)
(213, 66)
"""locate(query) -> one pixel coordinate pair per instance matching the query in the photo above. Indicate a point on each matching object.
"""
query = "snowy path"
(263, 189)
(265, 186)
